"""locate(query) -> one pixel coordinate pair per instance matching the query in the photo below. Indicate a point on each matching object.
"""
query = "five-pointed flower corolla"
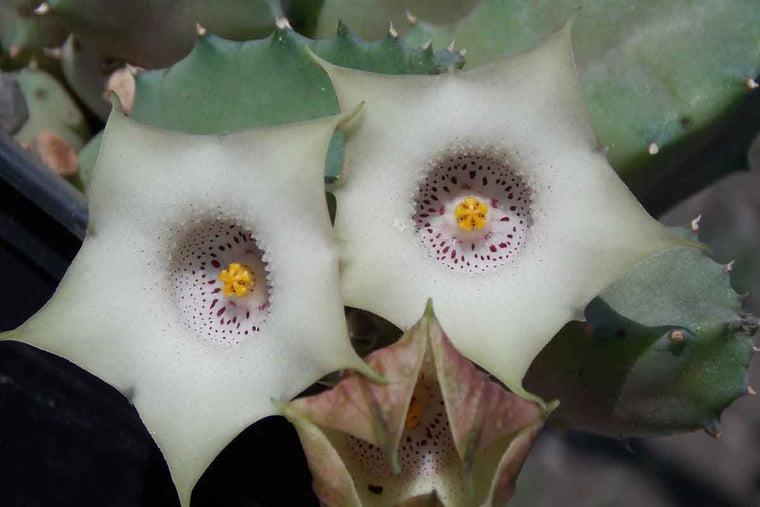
(487, 191)
(439, 432)
(207, 283)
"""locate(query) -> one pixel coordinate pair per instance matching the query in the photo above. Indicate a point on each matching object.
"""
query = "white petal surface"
(585, 226)
(115, 314)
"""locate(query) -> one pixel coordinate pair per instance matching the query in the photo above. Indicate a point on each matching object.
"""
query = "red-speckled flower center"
(427, 445)
(472, 211)
(204, 251)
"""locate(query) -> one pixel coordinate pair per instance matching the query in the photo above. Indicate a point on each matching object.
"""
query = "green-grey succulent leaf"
(659, 77)
(207, 283)
(160, 32)
(51, 109)
(86, 73)
(371, 18)
(225, 86)
(664, 349)
(513, 138)
(88, 156)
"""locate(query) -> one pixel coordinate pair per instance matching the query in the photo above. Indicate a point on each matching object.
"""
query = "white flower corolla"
(487, 191)
(207, 283)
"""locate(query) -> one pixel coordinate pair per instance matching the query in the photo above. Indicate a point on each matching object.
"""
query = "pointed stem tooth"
(133, 69)
(695, 223)
(42, 9)
(427, 44)
(199, 30)
(751, 391)
(54, 53)
(282, 23)
(450, 47)
(411, 18)
(728, 268)
(751, 84)
(653, 148)
(392, 31)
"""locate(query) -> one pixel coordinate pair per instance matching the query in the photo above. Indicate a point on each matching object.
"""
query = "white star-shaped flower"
(519, 219)
(207, 284)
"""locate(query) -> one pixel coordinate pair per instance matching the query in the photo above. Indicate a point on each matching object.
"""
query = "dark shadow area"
(69, 439)
(263, 467)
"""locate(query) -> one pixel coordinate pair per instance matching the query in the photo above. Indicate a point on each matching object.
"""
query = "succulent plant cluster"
(211, 285)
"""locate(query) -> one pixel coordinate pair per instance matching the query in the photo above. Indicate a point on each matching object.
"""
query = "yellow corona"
(238, 280)
(413, 414)
(471, 214)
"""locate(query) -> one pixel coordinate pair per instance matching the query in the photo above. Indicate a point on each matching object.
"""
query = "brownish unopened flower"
(439, 431)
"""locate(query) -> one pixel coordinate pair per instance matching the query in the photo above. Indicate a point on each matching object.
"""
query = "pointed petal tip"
(729, 268)
(288, 410)
(345, 118)
(200, 31)
(550, 407)
(653, 148)
(115, 102)
(751, 391)
(411, 18)
(751, 84)
(366, 370)
(429, 312)
(450, 47)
